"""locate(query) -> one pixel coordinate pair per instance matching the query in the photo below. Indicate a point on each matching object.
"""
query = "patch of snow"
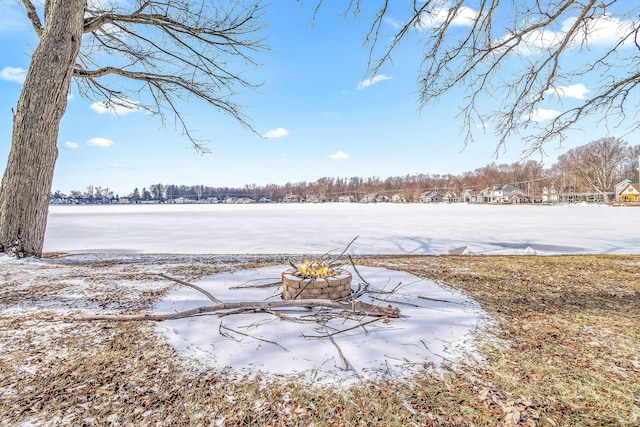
(436, 327)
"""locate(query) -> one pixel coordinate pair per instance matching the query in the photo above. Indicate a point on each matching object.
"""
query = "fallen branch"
(344, 359)
(247, 335)
(192, 286)
(329, 335)
(438, 300)
(350, 306)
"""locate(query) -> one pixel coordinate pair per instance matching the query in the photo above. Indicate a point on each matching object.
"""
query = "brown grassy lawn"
(564, 351)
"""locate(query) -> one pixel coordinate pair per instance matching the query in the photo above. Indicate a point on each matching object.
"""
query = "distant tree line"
(594, 167)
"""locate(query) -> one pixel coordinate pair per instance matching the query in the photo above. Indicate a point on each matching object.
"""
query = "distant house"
(347, 199)
(291, 198)
(519, 198)
(623, 184)
(469, 195)
(313, 198)
(398, 198)
(630, 193)
(550, 195)
(483, 196)
(504, 193)
(430, 197)
(245, 200)
(369, 198)
(184, 200)
(450, 197)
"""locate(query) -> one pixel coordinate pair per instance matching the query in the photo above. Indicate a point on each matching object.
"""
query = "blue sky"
(322, 115)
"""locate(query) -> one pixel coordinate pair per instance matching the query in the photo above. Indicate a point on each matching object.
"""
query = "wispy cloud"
(603, 30)
(373, 80)
(394, 23)
(577, 91)
(276, 133)
(123, 107)
(340, 155)
(71, 145)
(100, 142)
(541, 114)
(13, 74)
(465, 16)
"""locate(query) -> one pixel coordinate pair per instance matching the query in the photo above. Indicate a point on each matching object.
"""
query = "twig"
(359, 325)
(344, 251)
(197, 288)
(251, 336)
(410, 304)
(266, 285)
(344, 359)
(224, 334)
(353, 264)
(439, 300)
(281, 316)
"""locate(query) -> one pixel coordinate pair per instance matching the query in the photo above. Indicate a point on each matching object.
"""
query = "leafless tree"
(141, 54)
(630, 167)
(523, 56)
(597, 163)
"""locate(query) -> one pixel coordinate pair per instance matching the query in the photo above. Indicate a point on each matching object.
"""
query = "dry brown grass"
(565, 351)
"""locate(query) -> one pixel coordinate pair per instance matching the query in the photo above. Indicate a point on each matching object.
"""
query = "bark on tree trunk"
(26, 184)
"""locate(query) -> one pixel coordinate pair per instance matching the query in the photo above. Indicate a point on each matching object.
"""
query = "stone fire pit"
(333, 287)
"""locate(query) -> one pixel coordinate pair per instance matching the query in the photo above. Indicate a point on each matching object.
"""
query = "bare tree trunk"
(25, 188)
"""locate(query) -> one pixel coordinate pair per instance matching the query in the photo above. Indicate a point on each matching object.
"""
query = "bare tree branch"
(191, 285)
(199, 46)
(517, 55)
(33, 17)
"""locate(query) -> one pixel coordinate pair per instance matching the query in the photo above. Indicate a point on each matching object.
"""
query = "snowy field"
(417, 229)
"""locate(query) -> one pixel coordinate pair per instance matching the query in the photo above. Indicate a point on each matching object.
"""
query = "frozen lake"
(415, 229)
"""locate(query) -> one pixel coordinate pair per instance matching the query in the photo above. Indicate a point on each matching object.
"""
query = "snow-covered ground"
(316, 228)
(436, 326)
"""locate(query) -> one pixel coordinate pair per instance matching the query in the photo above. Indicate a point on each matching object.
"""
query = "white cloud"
(123, 107)
(541, 114)
(71, 145)
(373, 80)
(605, 30)
(13, 74)
(395, 24)
(482, 126)
(572, 91)
(602, 30)
(100, 142)
(465, 16)
(276, 133)
(340, 155)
